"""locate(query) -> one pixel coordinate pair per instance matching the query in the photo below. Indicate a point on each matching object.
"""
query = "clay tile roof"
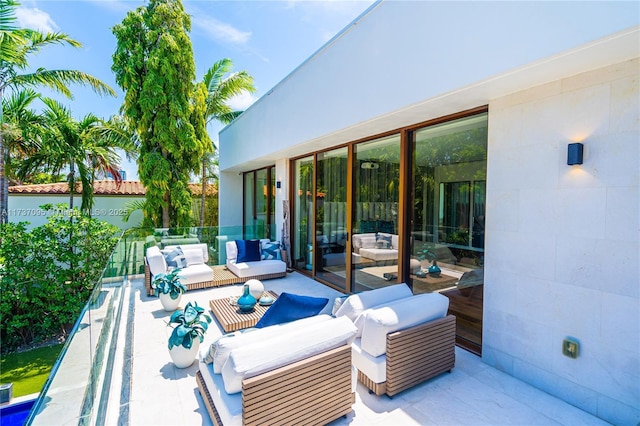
(100, 187)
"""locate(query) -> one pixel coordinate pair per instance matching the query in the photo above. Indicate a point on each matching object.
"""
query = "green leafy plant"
(169, 284)
(191, 322)
(47, 274)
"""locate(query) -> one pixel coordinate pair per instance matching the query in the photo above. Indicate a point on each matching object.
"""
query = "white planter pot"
(183, 358)
(168, 303)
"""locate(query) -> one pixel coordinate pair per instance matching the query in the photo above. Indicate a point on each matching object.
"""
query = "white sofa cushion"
(156, 261)
(232, 251)
(261, 267)
(266, 355)
(221, 348)
(374, 367)
(202, 246)
(398, 315)
(196, 274)
(357, 303)
(379, 254)
(193, 256)
(228, 406)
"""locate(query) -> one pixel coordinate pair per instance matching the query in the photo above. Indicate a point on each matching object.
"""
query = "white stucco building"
(559, 248)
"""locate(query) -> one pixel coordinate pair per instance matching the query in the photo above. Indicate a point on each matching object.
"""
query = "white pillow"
(193, 256)
(156, 261)
(357, 303)
(222, 347)
(266, 355)
(398, 315)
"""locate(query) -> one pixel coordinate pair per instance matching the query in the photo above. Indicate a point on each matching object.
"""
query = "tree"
(154, 65)
(16, 46)
(222, 85)
(19, 130)
(82, 145)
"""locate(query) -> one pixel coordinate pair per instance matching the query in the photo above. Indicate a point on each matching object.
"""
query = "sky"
(267, 39)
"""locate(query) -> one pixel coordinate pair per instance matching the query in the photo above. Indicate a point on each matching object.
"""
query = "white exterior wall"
(26, 208)
(405, 53)
(562, 241)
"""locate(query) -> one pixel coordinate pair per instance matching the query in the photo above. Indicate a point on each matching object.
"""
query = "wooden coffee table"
(231, 318)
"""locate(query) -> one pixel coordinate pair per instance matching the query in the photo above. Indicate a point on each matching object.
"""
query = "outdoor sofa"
(255, 259)
(195, 273)
(296, 373)
(402, 340)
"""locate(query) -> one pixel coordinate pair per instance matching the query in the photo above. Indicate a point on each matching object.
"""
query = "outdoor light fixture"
(574, 154)
(278, 184)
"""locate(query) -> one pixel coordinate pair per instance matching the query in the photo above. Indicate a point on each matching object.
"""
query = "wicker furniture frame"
(415, 355)
(221, 276)
(313, 391)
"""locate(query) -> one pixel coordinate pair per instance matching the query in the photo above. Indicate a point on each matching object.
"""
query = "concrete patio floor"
(472, 394)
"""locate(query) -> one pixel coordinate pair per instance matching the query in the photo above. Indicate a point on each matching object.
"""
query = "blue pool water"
(15, 414)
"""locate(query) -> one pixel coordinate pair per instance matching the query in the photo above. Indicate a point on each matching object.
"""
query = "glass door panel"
(249, 204)
(302, 217)
(375, 240)
(447, 219)
(331, 206)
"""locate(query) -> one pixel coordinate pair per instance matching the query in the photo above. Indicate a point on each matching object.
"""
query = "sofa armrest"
(419, 353)
(315, 390)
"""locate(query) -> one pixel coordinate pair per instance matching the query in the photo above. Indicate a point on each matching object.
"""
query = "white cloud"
(221, 31)
(35, 19)
(242, 101)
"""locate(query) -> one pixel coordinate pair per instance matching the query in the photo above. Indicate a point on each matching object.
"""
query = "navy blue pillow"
(248, 251)
(290, 307)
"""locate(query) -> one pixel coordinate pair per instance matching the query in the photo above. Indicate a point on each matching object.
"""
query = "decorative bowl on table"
(266, 300)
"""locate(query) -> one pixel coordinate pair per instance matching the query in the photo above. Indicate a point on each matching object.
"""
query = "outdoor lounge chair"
(297, 373)
(401, 342)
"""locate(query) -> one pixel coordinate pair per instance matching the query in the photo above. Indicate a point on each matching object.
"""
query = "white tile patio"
(472, 394)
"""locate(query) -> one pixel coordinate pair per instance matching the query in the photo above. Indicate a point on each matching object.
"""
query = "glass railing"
(83, 386)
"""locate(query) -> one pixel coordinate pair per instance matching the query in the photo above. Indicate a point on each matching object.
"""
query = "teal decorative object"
(246, 302)
(434, 269)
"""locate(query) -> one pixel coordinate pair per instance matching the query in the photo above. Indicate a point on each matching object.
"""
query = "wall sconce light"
(574, 154)
(278, 184)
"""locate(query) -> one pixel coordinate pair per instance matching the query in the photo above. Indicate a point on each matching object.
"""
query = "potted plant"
(187, 335)
(169, 288)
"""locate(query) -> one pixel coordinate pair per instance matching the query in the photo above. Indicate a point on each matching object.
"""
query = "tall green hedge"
(47, 274)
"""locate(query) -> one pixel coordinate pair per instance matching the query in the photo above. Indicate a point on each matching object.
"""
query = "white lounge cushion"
(196, 274)
(398, 315)
(224, 345)
(201, 246)
(379, 254)
(261, 267)
(193, 256)
(156, 261)
(357, 303)
(260, 357)
(232, 251)
(375, 368)
(228, 406)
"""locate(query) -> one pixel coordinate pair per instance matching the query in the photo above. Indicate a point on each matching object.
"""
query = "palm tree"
(86, 146)
(222, 85)
(19, 129)
(16, 46)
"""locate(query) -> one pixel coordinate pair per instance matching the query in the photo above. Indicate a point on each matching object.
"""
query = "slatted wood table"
(231, 318)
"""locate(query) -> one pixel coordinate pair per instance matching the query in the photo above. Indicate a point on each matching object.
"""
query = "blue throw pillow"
(248, 251)
(290, 307)
(270, 250)
(172, 257)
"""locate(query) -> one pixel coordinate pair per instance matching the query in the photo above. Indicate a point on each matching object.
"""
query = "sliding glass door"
(375, 240)
(332, 186)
